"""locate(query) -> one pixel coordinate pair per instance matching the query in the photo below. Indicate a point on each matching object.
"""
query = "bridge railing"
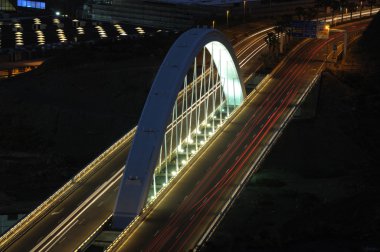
(25, 224)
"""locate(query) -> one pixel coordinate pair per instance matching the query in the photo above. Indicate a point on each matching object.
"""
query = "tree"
(325, 4)
(371, 3)
(343, 4)
(351, 8)
(279, 29)
(284, 26)
(334, 6)
(361, 8)
(272, 42)
(300, 12)
(311, 13)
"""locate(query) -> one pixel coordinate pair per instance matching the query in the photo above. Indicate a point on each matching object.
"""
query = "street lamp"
(213, 24)
(227, 15)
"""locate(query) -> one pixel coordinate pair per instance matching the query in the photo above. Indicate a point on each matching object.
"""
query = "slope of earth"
(56, 119)
(318, 189)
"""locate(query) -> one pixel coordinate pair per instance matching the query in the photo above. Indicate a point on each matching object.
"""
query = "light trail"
(228, 176)
(54, 236)
(218, 166)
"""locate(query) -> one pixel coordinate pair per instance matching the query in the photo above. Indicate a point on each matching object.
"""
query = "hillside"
(318, 190)
(55, 120)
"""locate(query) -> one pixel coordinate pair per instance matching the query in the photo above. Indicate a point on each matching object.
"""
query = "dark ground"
(55, 120)
(319, 188)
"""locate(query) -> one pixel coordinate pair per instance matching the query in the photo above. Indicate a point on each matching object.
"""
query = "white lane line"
(57, 212)
(64, 238)
(65, 224)
(63, 232)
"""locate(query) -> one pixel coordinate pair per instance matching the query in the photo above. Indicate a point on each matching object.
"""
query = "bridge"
(198, 141)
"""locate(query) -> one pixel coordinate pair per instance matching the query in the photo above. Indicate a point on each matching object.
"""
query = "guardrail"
(87, 242)
(54, 199)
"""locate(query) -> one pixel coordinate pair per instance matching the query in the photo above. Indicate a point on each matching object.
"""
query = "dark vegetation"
(58, 118)
(319, 188)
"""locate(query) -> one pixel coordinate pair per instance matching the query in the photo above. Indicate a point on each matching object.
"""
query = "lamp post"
(213, 24)
(361, 8)
(227, 16)
(244, 6)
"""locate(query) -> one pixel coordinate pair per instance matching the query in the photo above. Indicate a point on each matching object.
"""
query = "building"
(6, 5)
(162, 14)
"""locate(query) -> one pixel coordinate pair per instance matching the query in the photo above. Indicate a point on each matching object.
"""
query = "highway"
(89, 202)
(193, 206)
(67, 220)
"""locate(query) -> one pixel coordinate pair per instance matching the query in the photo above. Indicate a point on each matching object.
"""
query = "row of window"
(31, 4)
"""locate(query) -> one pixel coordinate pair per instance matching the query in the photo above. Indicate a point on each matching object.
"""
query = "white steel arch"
(142, 159)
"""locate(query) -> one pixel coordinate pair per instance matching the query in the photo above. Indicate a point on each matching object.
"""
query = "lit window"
(31, 4)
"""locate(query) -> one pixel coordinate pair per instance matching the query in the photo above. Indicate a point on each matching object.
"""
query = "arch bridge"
(196, 88)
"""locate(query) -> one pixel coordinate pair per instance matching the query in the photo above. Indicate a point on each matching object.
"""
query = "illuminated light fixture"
(174, 173)
(40, 37)
(192, 151)
(37, 21)
(140, 30)
(179, 149)
(101, 32)
(80, 30)
(120, 30)
(61, 35)
(19, 41)
(183, 162)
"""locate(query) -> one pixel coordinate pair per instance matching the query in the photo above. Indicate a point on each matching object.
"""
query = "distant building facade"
(163, 14)
(22, 5)
(6, 5)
